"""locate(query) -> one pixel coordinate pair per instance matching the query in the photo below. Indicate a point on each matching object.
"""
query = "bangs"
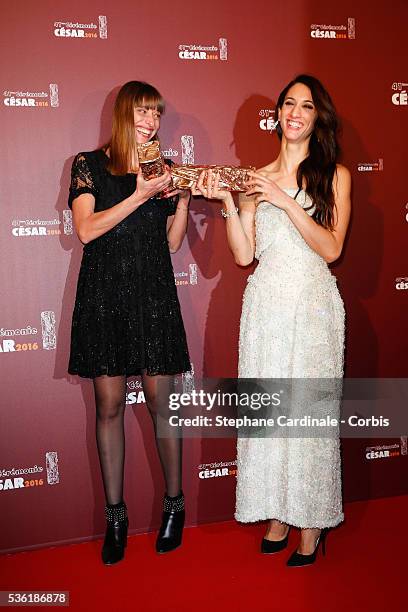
(154, 101)
(139, 93)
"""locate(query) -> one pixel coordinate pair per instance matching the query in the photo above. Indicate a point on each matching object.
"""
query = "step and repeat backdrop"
(220, 66)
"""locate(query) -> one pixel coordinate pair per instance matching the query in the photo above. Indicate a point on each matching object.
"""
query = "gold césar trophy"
(184, 176)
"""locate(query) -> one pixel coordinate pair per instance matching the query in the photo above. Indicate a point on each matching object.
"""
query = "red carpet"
(219, 568)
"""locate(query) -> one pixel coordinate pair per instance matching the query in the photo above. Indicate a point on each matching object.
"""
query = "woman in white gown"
(293, 219)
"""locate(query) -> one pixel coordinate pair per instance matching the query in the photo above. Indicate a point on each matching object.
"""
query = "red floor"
(219, 568)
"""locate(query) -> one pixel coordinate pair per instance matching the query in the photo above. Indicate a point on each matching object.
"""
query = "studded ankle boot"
(113, 549)
(171, 530)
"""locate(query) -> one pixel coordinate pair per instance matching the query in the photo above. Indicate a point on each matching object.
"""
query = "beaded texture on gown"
(292, 326)
(127, 314)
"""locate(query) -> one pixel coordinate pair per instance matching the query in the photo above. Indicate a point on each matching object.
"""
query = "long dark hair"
(316, 172)
(122, 143)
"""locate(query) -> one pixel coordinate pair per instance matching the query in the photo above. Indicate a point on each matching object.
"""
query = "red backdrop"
(220, 66)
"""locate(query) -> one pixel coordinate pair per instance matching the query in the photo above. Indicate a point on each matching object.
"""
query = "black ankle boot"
(113, 549)
(171, 530)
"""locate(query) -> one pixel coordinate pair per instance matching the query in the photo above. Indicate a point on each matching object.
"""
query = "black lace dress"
(127, 314)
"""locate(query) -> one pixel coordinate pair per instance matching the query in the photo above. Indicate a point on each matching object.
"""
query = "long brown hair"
(122, 143)
(316, 171)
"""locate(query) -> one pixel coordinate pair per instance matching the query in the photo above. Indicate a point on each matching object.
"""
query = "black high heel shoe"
(299, 560)
(113, 549)
(171, 530)
(268, 547)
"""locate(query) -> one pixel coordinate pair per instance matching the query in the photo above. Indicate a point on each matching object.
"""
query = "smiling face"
(146, 122)
(298, 114)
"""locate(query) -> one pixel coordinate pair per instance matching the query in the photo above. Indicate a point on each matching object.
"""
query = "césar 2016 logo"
(335, 31)
(67, 29)
(267, 121)
(32, 99)
(382, 452)
(205, 52)
(22, 478)
(217, 470)
(401, 283)
(48, 332)
(400, 97)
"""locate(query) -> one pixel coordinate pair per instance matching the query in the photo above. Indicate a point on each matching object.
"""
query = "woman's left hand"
(266, 190)
(183, 193)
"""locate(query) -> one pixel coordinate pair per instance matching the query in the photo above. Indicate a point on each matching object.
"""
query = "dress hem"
(289, 521)
(135, 372)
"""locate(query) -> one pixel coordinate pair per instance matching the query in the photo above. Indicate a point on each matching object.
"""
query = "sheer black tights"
(156, 390)
(110, 397)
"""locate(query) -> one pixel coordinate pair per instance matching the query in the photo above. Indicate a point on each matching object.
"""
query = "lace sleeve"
(81, 179)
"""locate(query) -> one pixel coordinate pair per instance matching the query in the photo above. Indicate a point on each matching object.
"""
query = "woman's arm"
(327, 243)
(240, 228)
(90, 225)
(177, 223)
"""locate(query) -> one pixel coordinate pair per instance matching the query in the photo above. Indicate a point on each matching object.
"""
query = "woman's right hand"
(147, 189)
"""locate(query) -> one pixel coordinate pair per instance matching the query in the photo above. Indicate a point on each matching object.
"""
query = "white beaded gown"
(292, 327)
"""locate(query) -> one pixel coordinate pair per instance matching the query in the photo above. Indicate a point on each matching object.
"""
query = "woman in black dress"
(127, 318)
